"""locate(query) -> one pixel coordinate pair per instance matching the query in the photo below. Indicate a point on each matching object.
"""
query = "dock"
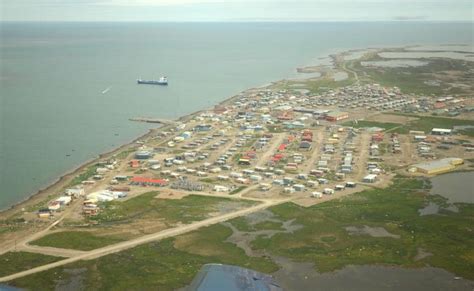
(153, 120)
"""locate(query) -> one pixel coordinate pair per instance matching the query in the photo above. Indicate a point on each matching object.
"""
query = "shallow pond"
(302, 276)
(433, 54)
(340, 76)
(394, 63)
(457, 187)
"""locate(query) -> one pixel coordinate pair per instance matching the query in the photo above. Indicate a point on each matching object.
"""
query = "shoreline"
(60, 182)
(69, 175)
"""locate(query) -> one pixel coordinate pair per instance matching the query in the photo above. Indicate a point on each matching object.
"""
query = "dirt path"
(145, 239)
(354, 73)
(363, 156)
(50, 251)
(275, 143)
(316, 154)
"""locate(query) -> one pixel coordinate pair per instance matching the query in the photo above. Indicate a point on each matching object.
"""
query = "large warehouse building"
(438, 166)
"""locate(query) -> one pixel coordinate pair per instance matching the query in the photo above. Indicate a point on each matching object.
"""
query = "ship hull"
(152, 82)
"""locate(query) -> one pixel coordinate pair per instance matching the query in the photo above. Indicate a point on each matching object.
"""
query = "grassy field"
(147, 206)
(85, 175)
(426, 123)
(164, 265)
(242, 224)
(125, 153)
(365, 123)
(423, 123)
(315, 86)
(411, 79)
(237, 190)
(14, 262)
(324, 240)
(77, 240)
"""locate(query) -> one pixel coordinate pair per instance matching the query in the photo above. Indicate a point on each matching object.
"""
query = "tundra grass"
(14, 262)
(85, 175)
(150, 206)
(324, 241)
(77, 240)
(421, 123)
(165, 265)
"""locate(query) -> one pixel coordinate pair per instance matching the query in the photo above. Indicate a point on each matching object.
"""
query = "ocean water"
(52, 76)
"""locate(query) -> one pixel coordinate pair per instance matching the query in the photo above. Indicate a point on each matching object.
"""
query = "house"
(328, 191)
(142, 181)
(76, 192)
(370, 178)
(219, 188)
(143, 155)
(202, 127)
(304, 145)
(351, 184)
(265, 187)
(299, 187)
(441, 131)
(54, 206)
(44, 213)
(336, 116)
(134, 164)
(64, 200)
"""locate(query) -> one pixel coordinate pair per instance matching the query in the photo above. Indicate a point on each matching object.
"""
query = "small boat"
(106, 90)
(162, 81)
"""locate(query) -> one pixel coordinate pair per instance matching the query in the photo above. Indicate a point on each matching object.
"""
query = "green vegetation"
(412, 79)
(237, 190)
(426, 123)
(209, 180)
(123, 154)
(77, 240)
(422, 123)
(315, 85)
(268, 225)
(324, 240)
(148, 206)
(165, 265)
(365, 123)
(85, 175)
(242, 224)
(14, 262)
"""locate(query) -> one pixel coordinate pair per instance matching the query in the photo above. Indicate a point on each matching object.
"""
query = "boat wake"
(106, 90)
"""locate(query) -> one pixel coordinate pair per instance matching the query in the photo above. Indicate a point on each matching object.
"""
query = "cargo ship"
(162, 81)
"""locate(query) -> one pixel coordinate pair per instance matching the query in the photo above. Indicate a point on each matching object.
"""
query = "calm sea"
(68, 89)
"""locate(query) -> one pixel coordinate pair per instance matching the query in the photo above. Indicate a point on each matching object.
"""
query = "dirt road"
(145, 239)
(276, 141)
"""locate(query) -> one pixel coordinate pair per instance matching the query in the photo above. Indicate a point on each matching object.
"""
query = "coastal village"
(291, 144)
(272, 144)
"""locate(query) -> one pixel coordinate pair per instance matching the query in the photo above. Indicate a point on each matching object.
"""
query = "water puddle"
(340, 76)
(372, 231)
(432, 54)
(401, 63)
(430, 209)
(457, 187)
(302, 276)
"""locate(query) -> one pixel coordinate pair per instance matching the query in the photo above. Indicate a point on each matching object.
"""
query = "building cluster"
(275, 140)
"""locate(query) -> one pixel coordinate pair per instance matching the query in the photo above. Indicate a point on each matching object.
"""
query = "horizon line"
(238, 21)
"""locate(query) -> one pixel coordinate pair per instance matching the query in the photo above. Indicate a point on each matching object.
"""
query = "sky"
(236, 10)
